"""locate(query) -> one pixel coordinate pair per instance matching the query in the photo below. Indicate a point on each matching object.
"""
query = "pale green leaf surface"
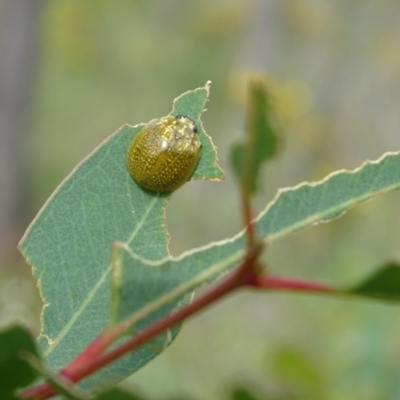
(292, 210)
(70, 241)
(188, 104)
(307, 204)
(160, 283)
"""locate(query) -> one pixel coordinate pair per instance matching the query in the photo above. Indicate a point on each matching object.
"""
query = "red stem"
(233, 282)
(95, 348)
(280, 283)
(82, 366)
(91, 359)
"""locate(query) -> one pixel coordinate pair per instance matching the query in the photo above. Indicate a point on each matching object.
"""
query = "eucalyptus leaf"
(69, 243)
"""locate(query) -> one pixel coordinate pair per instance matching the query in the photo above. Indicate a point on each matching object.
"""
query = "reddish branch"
(280, 283)
(93, 358)
(249, 274)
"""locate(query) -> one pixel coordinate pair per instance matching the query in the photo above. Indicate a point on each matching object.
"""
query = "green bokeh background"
(335, 66)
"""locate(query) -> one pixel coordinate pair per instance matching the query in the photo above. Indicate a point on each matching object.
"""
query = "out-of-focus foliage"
(383, 284)
(336, 65)
(261, 137)
(110, 63)
(16, 345)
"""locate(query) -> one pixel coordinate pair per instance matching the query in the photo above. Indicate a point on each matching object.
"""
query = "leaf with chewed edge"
(69, 243)
(164, 283)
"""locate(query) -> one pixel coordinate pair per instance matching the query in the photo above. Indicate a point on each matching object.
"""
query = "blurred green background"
(335, 66)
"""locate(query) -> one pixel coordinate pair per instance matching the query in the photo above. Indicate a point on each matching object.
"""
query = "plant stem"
(233, 282)
(92, 358)
(85, 364)
(95, 348)
(290, 284)
(248, 217)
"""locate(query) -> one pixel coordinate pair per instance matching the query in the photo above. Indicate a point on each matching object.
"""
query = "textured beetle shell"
(164, 153)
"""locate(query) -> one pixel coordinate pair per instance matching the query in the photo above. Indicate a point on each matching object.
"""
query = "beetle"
(164, 153)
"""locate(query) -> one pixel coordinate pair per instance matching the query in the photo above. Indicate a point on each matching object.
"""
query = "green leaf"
(310, 203)
(261, 137)
(189, 104)
(15, 371)
(383, 284)
(163, 284)
(69, 243)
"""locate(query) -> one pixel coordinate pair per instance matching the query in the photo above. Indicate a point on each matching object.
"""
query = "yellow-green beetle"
(164, 153)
